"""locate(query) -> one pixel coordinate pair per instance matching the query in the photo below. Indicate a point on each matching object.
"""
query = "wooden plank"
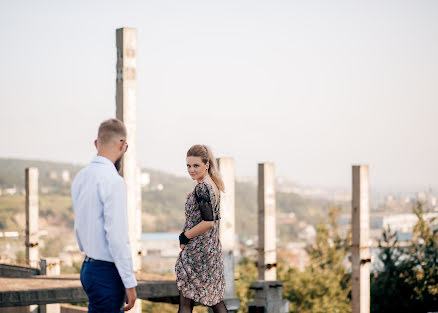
(42, 296)
(46, 290)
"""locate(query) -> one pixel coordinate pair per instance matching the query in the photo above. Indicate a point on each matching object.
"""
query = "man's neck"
(107, 155)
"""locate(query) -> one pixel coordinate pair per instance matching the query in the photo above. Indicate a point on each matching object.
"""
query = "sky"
(313, 86)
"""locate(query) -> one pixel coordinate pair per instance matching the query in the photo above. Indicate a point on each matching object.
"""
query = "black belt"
(88, 259)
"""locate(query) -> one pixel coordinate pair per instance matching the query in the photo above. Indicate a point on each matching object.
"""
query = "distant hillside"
(12, 174)
(162, 210)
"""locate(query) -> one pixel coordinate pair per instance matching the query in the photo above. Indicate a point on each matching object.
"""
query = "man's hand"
(131, 296)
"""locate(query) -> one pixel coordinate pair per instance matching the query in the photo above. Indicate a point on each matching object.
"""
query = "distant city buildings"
(159, 251)
(10, 234)
(246, 179)
(295, 254)
(53, 175)
(400, 223)
(145, 179)
(10, 191)
(65, 176)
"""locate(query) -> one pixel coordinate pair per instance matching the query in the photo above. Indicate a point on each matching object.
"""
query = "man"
(101, 224)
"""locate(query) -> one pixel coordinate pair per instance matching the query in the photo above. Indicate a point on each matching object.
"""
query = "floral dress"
(199, 267)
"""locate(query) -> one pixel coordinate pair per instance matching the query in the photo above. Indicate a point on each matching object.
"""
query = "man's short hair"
(111, 129)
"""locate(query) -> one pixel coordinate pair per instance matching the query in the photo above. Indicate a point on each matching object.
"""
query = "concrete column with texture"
(228, 230)
(32, 215)
(268, 292)
(360, 258)
(50, 267)
(126, 111)
(267, 255)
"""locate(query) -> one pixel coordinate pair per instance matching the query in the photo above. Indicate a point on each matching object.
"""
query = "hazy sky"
(314, 86)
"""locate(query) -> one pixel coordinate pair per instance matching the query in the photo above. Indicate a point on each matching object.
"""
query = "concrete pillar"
(126, 111)
(50, 308)
(228, 230)
(32, 214)
(138, 227)
(268, 297)
(268, 292)
(267, 255)
(227, 223)
(50, 267)
(360, 258)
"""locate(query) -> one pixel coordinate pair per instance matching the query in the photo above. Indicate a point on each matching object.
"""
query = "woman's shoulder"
(206, 188)
(202, 186)
(206, 185)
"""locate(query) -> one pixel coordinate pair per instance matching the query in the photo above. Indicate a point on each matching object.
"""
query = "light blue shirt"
(101, 221)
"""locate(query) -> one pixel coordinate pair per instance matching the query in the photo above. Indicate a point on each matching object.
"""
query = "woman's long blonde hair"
(206, 155)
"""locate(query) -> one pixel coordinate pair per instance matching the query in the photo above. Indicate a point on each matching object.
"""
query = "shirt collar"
(103, 160)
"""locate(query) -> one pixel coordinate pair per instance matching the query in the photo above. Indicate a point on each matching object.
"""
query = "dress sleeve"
(202, 196)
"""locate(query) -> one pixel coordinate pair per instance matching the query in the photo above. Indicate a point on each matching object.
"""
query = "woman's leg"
(185, 304)
(219, 308)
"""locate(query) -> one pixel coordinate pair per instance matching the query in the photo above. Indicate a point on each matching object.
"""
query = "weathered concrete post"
(360, 258)
(126, 111)
(268, 290)
(32, 214)
(228, 230)
(32, 236)
(138, 227)
(50, 267)
(267, 254)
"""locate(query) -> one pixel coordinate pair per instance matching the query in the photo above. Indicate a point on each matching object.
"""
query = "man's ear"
(95, 143)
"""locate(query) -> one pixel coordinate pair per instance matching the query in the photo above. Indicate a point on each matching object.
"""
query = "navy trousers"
(103, 286)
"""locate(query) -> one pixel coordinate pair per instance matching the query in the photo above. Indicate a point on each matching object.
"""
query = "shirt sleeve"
(116, 230)
(203, 200)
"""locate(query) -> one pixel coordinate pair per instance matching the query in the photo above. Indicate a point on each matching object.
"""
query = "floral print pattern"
(199, 267)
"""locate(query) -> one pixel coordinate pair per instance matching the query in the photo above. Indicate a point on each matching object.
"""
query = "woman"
(199, 268)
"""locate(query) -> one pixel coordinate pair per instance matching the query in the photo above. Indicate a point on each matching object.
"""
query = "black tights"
(186, 305)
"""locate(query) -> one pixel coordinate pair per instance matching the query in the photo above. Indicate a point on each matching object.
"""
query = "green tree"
(389, 289)
(324, 286)
(424, 261)
(245, 275)
(408, 279)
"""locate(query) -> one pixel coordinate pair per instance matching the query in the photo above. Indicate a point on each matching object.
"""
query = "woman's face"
(196, 168)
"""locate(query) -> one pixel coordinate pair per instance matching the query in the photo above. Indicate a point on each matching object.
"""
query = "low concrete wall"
(15, 271)
(15, 309)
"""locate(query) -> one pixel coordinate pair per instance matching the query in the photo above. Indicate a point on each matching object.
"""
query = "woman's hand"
(182, 247)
